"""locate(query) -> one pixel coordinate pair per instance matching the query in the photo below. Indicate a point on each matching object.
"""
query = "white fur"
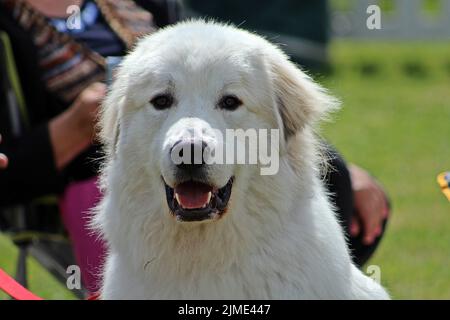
(280, 238)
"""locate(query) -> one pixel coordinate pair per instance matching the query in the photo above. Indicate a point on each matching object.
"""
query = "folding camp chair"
(35, 228)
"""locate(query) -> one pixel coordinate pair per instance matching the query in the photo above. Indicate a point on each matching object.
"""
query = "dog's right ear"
(301, 102)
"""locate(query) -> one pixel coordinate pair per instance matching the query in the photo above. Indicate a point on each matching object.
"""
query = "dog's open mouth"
(196, 201)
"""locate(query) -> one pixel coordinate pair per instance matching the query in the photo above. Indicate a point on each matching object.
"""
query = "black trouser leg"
(339, 184)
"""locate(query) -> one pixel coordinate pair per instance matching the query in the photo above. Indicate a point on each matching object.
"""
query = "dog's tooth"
(177, 197)
(209, 198)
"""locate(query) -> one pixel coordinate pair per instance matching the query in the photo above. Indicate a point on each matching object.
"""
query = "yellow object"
(444, 181)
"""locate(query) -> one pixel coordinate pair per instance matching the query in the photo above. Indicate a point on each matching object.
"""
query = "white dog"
(212, 231)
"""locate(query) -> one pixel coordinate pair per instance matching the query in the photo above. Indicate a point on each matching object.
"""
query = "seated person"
(50, 143)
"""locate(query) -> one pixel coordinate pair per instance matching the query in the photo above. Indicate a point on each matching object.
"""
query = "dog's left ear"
(300, 101)
(109, 123)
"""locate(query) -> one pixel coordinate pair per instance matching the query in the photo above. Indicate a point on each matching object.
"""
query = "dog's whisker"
(149, 262)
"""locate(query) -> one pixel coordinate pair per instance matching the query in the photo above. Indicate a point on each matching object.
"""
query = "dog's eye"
(162, 101)
(229, 102)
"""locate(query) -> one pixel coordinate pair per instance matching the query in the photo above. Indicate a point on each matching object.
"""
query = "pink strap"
(14, 289)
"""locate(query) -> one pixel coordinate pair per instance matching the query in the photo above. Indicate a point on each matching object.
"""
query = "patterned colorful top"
(68, 66)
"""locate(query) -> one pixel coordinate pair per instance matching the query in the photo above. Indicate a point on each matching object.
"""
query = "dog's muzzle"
(193, 198)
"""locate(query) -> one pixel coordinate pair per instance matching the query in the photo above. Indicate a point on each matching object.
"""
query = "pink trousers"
(75, 204)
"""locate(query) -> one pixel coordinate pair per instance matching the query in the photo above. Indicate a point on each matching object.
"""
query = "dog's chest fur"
(257, 253)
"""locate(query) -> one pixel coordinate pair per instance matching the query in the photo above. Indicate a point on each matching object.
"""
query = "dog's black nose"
(188, 154)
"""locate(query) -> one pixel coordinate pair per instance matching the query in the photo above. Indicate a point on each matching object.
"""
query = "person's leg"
(339, 185)
(77, 201)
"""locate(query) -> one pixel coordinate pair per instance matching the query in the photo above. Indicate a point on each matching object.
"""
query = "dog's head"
(177, 94)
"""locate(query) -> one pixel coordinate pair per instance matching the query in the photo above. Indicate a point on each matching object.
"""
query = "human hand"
(72, 131)
(3, 159)
(371, 205)
(85, 108)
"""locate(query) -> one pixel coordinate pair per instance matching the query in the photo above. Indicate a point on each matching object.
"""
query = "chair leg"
(21, 269)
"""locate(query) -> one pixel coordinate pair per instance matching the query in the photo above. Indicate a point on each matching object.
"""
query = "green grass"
(395, 122)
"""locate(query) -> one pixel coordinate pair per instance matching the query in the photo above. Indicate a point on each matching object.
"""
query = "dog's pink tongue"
(193, 195)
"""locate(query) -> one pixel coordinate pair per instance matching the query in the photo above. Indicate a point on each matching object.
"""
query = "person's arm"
(371, 205)
(73, 130)
(37, 158)
(31, 171)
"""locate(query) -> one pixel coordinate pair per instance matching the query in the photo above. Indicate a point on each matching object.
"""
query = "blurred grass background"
(395, 122)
